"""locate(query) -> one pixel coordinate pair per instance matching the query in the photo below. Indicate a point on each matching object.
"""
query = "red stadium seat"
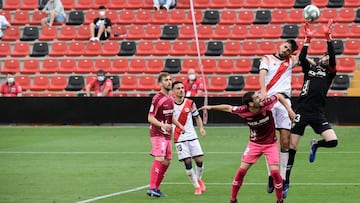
(84, 4)
(295, 16)
(183, 4)
(297, 82)
(317, 47)
(351, 3)
(190, 63)
(93, 49)
(7, 14)
(24, 81)
(119, 32)
(31, 66)
(85, 65)
(205, 31)
(198, 17)
(346, 64)
(249, 48)
(128, 82)
(90, 16)
(21, 49)
(110, 48)
(40, 83)
(252, 4)
(252, 83)
(11, 66)
(67, 94)
(160, 17)
(48, 33)
(245, 17)
(147, 83)
(228, 17)
(137, 65)
(11, 34)
(267, 47)
(126, 17)
(270, 4)
(209, 65)
(232, 48)
(29, 4)
(218, 4)
(256, 31)
(57, 83)
(143, 17)
(118, 4)
(103, 63)
(177, 16)
(355, 30)
(162, 48)
(186, 32)
(180, 48)
(217, 83)
(235, 4)
(346, 15)
(136, 32)
(239, 32)
(11, 5)
(222, 32)
(152, 32)
(113, 16)
(148, 4)
(89, 79)
(50, 65)
(67, 33)
(37, 16)
(145, 48)
(340, 31)
(155, 65)
(285, 4)
(68, 4)
(21, 18)
(319, 3)
(67, 65)
(76, 48)
(202, 4)
(135, 4)
(225, 66)
(4, 49)
(352, 46)
(83, 33)
(98, 3)
(279, 16)
(193, 49)
(119, 65)
(327, 14)
(242, 65)
(58, 49)
(273, 31)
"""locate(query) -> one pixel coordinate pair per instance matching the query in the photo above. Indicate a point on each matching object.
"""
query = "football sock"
(292, 153)
(154, 173)
(284, 156)
(162, 171)
(267, 167)
(327, 144)
(277, 184)
(199, 170)
(237, 182)
(192, 176)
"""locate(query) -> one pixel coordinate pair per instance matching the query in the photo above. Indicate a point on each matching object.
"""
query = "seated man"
(10, 88)
(4, 24)
(167, 4)
(56, 12)
(100, 28)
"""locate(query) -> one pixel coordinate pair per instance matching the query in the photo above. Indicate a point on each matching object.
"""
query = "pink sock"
(154, 173)
(238, 180)
(278, 184)
(162, 171)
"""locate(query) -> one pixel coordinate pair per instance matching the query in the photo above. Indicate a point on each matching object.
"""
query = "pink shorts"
(161, 147)
(254, 151)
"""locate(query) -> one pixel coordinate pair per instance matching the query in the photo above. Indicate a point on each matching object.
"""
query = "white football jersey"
(184, 113)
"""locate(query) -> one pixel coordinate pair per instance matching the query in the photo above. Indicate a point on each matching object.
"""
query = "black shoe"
(270, 187)
(233, 201)
(282, 201)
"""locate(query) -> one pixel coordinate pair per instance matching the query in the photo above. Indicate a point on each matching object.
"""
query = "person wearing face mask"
(10, 88)
(167, 4)
(55, 11)
(100, 28)
(101, 85)
(193, 87)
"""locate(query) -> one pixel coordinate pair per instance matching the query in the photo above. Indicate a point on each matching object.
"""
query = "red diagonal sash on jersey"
(284, 65)
(183, 118)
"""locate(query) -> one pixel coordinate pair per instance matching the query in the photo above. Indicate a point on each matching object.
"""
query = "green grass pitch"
(74, 164)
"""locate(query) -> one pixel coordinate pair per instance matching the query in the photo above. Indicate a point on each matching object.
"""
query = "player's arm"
(198, 120)
(283, 101)
(87, 89)
(330, 48)
(178, 124)
(221, 107)
(156, 122)
(262, 74)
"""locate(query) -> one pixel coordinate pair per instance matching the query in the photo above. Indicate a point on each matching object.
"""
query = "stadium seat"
(103, 63)
(58, 49)
(75, 83)
(290, 31)
(235, 83)
(40, 83)
(262, 17)
(198, 17)
(317, 47)
(126, 17)
(340, 30)
(217, 4)
(180, 48)
(11, 66)
(211, 17)
(119, 65)
(160, 17)
(301, 3)
(37, 16)
(118, 4)
(225, 66)
(217, 83)
(6, 13)
(29, 4)
(115, 80)
(252, 3)
(136, 32)
(119, 32)
(267, 47)
(113, 16)
(135, 4)
(252, 83)
(50, 65)
(128, 82)
(205, 31)
(327, 14)
(172, 65)
(186, 32)
(193, 48)
(137, 65)
(245, 17)
(249, 48)
(21, 49)
(277, 4)
(4, 49)
(202, 4)
(146, 83)
(127, 48)
(242, 65)
(57, 83)
(84, 4)
(338, 46)
(295, 16)
(351, 3)
(170, 32)
(85, 65)
(222, 32)
(154, 65)
(110, 48)
(76, 48)
(143, 17)
(67, 65)
(68, 4)
(162, 48)
(357, 16)
(346, 15)
(255, 65)
(214, 48)
(238, 32)
(335, 3)
(30, 33)
(145, 48)
(319, 3)
(177, 17)
(232, 48)
(209, 65)
(97, 3)
(355, 30)
(255, 31)
(31, 94)
(67, 33)
(24, 81)
(75, 17)
(83, 33)
(90, 16)
(93, 49)
(48, 33)
(346, 64)
(190, 63)
(228, 17)
(273, 31)
(40, 49)
(279, 16)
(352, 46)
(11, 5)
(340, 82)
(48, 94)
(297, 82)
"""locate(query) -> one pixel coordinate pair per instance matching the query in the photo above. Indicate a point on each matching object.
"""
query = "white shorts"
(188, 149)
(281, 116)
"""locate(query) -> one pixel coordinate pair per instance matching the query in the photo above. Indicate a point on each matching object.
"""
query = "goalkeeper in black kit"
(311, 102)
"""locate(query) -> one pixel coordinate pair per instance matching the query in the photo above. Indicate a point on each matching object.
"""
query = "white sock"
(199, 172)
(267, 166)
(284, 157)
(192, 177)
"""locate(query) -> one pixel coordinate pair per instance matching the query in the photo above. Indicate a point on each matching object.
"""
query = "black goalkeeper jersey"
(317, 81)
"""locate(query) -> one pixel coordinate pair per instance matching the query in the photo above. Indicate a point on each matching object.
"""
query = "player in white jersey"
(186, 142)
(275, 77)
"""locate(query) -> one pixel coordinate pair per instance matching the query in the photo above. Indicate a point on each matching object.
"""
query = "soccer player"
(263, 139)
(161, 119)
(312, 99)
(275, 77)
(187, 144)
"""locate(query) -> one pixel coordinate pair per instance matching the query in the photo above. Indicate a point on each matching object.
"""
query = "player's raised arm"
(283, 101)
(221, 107)
(262, 74)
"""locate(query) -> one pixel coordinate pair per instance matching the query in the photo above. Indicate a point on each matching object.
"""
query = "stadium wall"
(117, 110)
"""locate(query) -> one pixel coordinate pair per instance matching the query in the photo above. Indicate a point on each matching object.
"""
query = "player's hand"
(202, 132)
(263, 95)
(328, 30)
(291, 115)
(308, 33)
(166, 126)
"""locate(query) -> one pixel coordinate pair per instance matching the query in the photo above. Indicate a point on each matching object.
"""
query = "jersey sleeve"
(194, 111)
(264, 63)
(303, 60)
(332, 60)
(269, 102)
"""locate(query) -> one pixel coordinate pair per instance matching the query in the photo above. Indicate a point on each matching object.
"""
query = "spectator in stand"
(4, 24)
(101, 85)
(55, 11)
(10, 88)
(194, 87)
(167, 4)
(100, 28)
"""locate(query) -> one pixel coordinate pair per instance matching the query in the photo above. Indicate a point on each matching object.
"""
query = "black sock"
(290, 164)
(327, 144)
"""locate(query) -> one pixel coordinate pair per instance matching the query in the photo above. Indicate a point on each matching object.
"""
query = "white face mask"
(102, 13)
(10, 80)
(192, 77)
(101, 78)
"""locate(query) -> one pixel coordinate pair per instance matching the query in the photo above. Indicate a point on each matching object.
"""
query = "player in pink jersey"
(263, 139)
(161, 119)
(275, 77)
(187, 143)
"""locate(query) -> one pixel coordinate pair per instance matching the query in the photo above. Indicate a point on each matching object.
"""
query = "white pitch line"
(300, 184)
(113, 194)
(240, 152)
